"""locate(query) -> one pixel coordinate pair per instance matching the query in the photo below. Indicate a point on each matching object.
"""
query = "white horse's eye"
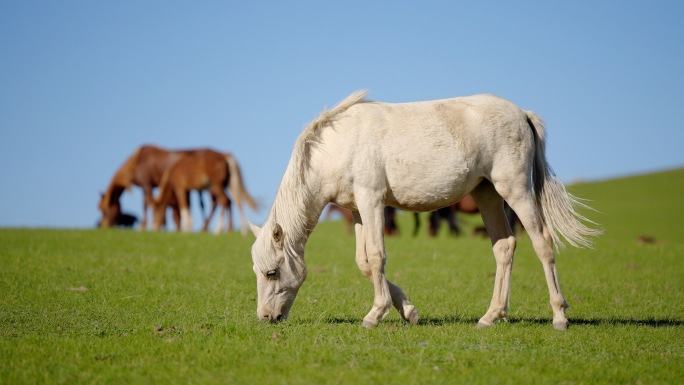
(271, 274)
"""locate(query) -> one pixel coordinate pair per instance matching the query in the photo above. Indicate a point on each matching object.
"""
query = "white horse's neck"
(299, 203)
(296, 209)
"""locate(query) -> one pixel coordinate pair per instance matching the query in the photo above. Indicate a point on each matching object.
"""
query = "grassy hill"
(113, 306)
(645, 205)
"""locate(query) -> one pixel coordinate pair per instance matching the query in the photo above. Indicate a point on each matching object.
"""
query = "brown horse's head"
(110, 209)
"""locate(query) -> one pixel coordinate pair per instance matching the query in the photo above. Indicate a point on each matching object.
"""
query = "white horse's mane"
(289, 207)
(308, 139)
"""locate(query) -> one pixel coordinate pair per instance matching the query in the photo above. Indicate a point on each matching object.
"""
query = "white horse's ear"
(278, 235)
(255, 229)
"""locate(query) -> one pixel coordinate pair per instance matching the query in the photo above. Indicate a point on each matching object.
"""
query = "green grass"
(127, 307)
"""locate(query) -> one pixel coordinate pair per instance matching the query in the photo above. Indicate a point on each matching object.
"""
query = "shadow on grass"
(451, 320)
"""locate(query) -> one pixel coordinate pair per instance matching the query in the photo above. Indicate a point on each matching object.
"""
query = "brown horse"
(144, 168)
(204, 169)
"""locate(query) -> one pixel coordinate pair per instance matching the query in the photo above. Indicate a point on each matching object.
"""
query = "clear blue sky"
(83, 83)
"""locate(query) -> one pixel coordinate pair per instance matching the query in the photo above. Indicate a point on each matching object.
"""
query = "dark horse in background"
(144, 168)
(467, 206)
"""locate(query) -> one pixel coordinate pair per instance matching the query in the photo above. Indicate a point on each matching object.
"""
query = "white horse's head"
(280, 272)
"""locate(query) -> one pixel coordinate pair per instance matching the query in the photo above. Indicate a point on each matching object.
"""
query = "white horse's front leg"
(405, 308)
(372, 266)
(382, 302)
(370, 260)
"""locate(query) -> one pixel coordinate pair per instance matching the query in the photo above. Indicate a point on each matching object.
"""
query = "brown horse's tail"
(237, 185)
(556, 205)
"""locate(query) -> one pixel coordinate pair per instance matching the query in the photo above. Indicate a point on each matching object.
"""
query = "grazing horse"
(203, 169)
(417, 156)
(144, 168)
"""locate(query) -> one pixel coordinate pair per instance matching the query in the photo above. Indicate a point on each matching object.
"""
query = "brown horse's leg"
(219, 194)
(186, 218)
(175, 213)
(207, 220)
(148, 198)
(229, 212)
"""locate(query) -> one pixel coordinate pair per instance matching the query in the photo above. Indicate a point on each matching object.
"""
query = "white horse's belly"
(422, 177)
(422, 190)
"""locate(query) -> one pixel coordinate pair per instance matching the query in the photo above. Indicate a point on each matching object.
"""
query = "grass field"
(114, 307)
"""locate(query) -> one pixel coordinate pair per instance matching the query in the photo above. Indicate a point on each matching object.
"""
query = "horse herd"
(175, 174)
(364, 156)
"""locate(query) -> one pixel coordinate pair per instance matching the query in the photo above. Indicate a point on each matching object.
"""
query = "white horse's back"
(425, 155)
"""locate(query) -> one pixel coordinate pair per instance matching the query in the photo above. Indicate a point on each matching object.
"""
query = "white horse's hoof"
(368, 325)
(561, 325)
(413, 316)
(481, 324)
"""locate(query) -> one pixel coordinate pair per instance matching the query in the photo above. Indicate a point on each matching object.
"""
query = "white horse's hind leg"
(373, 268)
(490, 204)
(543, 247)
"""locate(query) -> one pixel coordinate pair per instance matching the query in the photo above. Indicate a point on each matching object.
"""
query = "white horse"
(363, 155)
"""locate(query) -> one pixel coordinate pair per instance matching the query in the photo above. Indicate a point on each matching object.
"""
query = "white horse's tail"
(556, 205)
